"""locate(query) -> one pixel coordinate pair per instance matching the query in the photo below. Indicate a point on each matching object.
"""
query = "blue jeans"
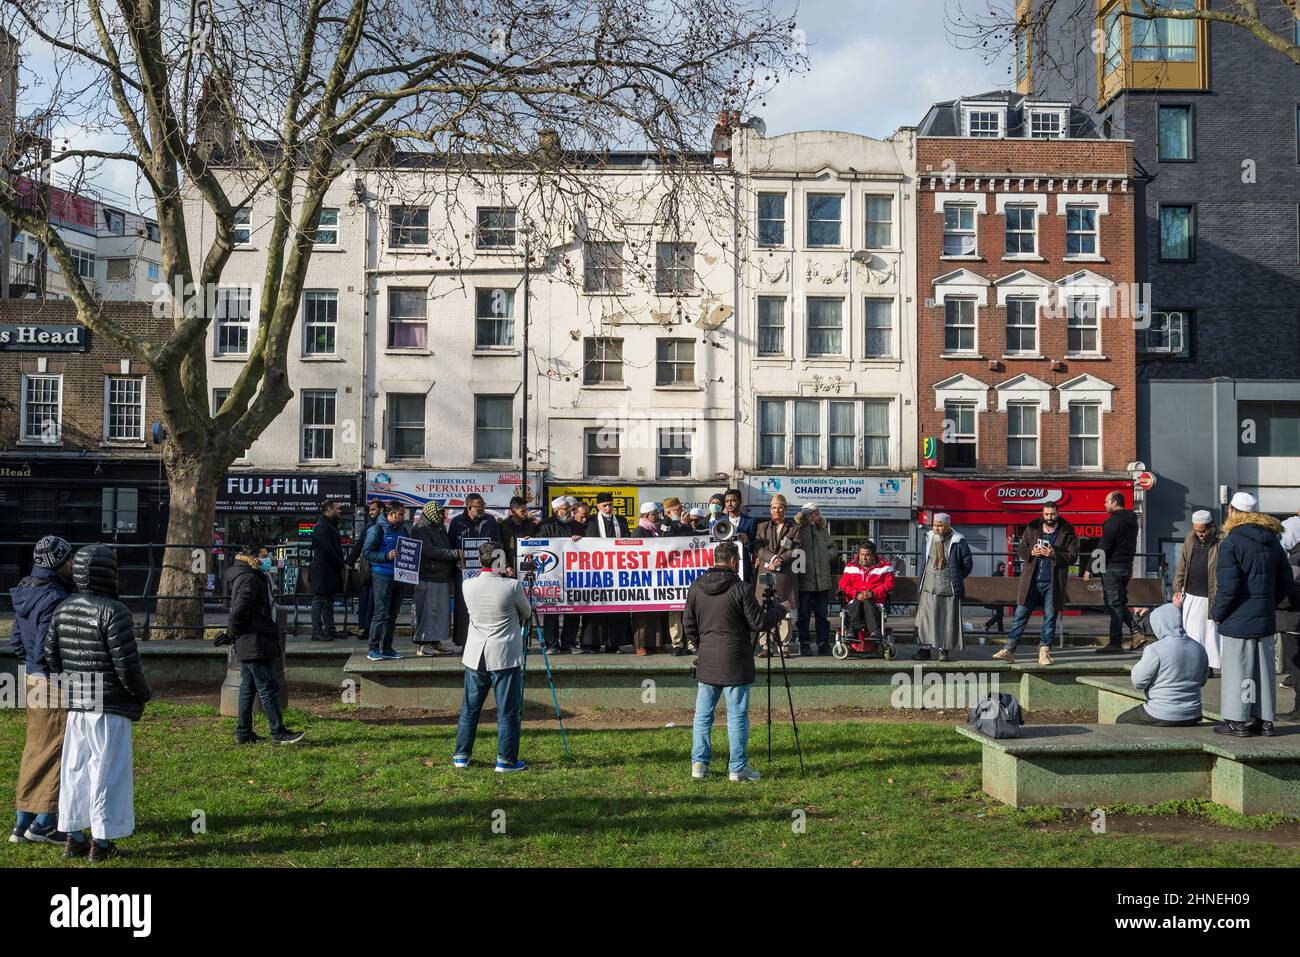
(508, 689)
(706, 700)
(258, 678)
(815, 604)
(1040, 596)
(388, 601)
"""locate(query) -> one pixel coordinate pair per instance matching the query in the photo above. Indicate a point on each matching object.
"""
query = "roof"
(944, 119)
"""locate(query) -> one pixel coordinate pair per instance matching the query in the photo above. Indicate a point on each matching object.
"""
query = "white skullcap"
(1202, 517)
(809, 507)
(570, 500)
(942, 517)
(1244, 502)
(697, 512)
(649, 508)
(557, 502)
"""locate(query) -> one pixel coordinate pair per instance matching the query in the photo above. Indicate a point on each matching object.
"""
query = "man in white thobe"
(1194, 584)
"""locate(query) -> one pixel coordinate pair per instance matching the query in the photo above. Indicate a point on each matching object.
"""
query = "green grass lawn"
(357, 793)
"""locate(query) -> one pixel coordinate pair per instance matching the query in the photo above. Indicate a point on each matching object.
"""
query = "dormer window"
(983, 123)
(1046, 124)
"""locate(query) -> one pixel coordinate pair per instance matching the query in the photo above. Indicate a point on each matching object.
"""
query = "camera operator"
(720, 618)
(497, 608)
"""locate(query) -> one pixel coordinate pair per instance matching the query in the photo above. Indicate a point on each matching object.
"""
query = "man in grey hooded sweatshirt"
(1172, 672)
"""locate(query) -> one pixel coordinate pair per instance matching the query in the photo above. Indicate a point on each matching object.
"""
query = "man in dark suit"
(327, 564)
(607, 632)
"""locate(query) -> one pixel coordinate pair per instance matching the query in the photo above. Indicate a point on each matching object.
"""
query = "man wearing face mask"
(251, 628)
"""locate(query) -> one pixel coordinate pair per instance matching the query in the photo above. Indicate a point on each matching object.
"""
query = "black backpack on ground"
(997, 717)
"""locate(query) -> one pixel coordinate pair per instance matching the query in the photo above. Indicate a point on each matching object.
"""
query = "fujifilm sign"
(273, 487)
(38, 338)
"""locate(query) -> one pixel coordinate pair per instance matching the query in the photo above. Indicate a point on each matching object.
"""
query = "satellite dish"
(757, 124)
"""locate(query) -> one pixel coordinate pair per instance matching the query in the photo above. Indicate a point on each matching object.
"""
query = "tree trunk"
(192, 484)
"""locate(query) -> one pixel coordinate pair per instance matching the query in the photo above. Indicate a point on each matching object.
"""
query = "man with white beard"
(1194, 585)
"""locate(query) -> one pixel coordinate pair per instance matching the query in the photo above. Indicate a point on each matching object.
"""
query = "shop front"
(993, 514)
(85, 499)
(855, 507)
(279, 510)
(449, 488)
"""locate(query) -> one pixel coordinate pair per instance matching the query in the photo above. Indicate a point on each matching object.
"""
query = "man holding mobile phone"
(1048, 547)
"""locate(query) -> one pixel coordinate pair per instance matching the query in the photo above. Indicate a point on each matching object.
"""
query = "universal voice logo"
(76, 910)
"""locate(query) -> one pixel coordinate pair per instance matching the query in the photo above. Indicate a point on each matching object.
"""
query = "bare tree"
(992, 26)
(296, 92)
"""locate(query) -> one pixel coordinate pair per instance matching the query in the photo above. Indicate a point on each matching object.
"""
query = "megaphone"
(722, 531)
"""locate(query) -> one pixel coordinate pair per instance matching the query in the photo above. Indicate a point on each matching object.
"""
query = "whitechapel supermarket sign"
(615, 574)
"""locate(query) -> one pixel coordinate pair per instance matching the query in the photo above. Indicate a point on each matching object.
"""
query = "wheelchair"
(860, 643)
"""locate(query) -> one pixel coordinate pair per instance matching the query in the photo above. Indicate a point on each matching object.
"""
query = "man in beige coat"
(1194, 584)
(775, 543)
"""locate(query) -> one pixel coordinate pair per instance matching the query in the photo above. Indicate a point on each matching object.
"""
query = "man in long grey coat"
(942, 587)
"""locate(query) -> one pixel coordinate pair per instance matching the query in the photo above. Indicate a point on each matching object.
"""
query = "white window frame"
(325, 428)
(109, 381)
(959, 231)
(675, 269)
(1059, 127)
(241, 233)
(1019, 302)
(1095, 232)
(326, 229)
(85, 259)
(673, 363)
(1082, 436)
(600, 357)
(891, 351)
(1032, 232)
(403, 320)
(974, 326)
(390, 427)
(615, 452)
(759, 327)
(808, 220)
(223, 322)
(1174, 326)
(968, 114)
(1037, 434)
(784, 433)
(506, 318)
(759, 219)
(602, 268)
(153, 270)
(961, 438)
(868, 222)
(1095, 324)
(329, 325)
(789, 436)
(39, 438)
(481, 230)
(808, 329)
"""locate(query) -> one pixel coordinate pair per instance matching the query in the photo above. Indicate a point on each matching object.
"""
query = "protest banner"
(406, 566)
(594, 575)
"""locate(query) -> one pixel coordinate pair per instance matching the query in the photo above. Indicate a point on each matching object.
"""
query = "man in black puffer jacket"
(251, 628)
(90, 645)
(721, 619)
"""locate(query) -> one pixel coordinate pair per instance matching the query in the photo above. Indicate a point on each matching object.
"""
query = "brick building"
(76, 456)
(1025, 345)
(1214, 117)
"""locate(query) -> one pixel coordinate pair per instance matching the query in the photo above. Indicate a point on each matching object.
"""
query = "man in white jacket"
(494, 655)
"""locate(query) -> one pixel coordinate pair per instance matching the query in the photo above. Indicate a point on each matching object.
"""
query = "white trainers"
(699, 769)
(747, 773)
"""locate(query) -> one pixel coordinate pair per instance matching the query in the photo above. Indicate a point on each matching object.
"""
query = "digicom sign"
(38, 338)
(1015, 494)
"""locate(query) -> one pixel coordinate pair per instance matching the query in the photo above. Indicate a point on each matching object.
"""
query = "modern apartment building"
(1214, 116)
(1025, 349)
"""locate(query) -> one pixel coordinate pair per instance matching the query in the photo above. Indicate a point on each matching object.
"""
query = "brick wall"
(972, 159)
(83, 378)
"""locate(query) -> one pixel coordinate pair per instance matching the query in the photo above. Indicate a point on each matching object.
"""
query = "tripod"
(773, 638)
(531, 629)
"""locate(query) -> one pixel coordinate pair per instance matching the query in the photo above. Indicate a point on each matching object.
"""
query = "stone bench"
(1116, 695)
(1081, 766)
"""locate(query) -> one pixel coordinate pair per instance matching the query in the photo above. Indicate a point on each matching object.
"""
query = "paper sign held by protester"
(406, 566)
(594, 575)
(471, 567)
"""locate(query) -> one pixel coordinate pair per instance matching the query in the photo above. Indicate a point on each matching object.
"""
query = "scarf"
(938, 543)
(649, 524)
(433, 512)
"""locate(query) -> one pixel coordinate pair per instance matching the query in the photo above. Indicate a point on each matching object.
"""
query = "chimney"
(728, 121)
(548, 146)
(213, 130)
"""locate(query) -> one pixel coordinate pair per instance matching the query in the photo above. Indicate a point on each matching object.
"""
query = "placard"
(406, 566)
(616, 574)
(471, 567)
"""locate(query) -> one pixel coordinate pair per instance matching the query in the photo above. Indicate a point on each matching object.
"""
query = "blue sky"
(877, 65)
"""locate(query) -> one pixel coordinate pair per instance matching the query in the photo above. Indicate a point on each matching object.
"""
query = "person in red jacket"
(866, 583)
